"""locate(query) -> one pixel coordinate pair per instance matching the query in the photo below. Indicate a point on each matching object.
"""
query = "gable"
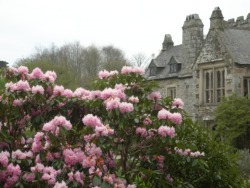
(212, 50)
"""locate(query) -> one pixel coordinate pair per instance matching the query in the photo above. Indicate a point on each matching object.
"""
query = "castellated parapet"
(240, 22)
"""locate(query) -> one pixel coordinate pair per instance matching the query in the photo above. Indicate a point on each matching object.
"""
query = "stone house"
(201, 70)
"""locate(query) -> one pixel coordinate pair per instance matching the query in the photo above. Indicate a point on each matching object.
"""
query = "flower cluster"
(56, 137)
(175, 117)
(188, 152)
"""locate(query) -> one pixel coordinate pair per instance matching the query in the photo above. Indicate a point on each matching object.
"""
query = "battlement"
(239, 23)
(193, 20)
(192, 16)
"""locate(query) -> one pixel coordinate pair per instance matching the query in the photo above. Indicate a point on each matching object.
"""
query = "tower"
(192, 36)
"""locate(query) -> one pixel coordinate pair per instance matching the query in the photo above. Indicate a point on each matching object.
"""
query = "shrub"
(123, 134)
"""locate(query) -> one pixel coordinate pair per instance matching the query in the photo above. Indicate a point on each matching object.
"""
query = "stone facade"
(201, 70)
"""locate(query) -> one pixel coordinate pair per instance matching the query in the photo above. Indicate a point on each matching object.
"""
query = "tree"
(83, 64)
(233, 121)
(112, 58)
(139, 60)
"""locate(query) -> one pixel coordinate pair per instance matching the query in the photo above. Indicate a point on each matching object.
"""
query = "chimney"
(167, 43)
(216, 19)
(192, 36)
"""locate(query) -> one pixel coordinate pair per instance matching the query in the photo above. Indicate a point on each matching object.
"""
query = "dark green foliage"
(233, 121)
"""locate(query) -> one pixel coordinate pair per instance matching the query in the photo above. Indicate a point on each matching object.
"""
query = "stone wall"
(184, 90)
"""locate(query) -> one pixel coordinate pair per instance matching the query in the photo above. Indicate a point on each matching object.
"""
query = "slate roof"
(237, 41)
(162, 63)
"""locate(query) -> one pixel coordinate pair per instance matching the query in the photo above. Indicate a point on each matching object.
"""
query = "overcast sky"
(135, 26)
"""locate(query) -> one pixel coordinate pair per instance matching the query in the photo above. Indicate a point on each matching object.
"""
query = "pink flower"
(112, 103)
(147, 121)
(103, 74)
(178, 103)
(81, 92)
(138, 70)
(58, 90)
(60, 185)
(54, 124)
(103, 131)
(4, 155)
(37, 89)
(50, 76)
(163, 114)
(166, 131)
(131, 186)
(133, 99)
(176, 118)
(37, 73)
(22, 86)
(125, 107)
(22, 70)
(141, 131)
(91, 120)
(156, 95)
(29, 177)
(14, 170)
(126, 70)
(79, 177)
(67, 93)
(18, 102)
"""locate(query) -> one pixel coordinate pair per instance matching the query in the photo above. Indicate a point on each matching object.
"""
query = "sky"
(134, 26)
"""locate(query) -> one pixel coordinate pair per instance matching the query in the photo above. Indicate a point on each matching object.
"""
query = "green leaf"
(194, 162)
(96, 181)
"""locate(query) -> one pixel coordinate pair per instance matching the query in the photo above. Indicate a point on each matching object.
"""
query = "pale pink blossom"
(18, 102)
(91, 120)
(103, 74)
(50, 76)
(22, 85)
(125, 107)
(67, 93)
(131, 186)
(120, 87)
(37, 73)
(126, 70)
(58, 90)
(29, 177)
(163, 114)
(166, 131)
(155, 95)
(4, 158)
(103, 131)
(112, 103)
(81, 92)
(54, 124)
(138, 70)
(22, 70)
(141, 131)
(79, 177)
(60, 185)
(147, 121)
(37, 90)
(178, 103)
(176, 118)
(14, 170)
(133, 99)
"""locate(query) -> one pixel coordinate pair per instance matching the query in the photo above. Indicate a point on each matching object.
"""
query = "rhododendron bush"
(122, 134)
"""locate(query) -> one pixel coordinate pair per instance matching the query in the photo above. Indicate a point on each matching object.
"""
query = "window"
(214, 85)
(171, 92)
(246, 87)
(152, 71)
(173, 68)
